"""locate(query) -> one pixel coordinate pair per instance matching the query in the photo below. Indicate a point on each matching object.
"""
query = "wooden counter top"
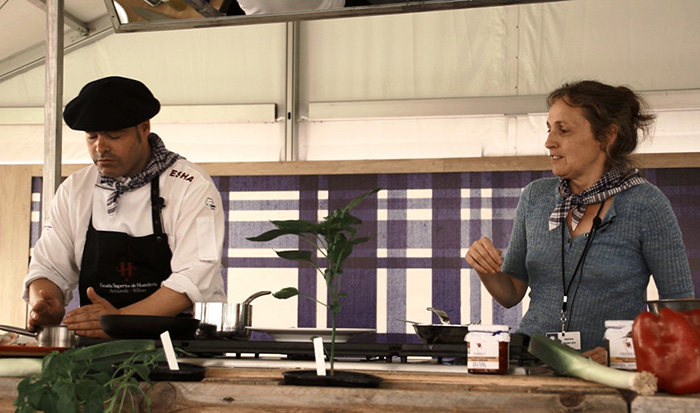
(261, 390)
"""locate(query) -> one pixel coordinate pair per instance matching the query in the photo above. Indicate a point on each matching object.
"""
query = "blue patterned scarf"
(161, 159)
(613, 182)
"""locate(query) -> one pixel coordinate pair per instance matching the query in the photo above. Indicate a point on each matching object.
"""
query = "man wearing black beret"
(139, 232)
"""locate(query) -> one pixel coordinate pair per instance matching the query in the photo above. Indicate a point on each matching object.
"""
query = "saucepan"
(226, 320)
(48, 336)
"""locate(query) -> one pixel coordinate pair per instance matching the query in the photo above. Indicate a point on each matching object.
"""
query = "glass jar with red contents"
(619, 344)
(488, 349)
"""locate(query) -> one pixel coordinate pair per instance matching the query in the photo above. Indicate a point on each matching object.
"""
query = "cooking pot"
(226, 320)
(48, 336)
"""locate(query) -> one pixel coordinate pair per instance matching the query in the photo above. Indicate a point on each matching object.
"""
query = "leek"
(569, 362)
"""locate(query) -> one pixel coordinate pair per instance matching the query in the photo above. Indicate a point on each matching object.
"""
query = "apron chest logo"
(126, 270)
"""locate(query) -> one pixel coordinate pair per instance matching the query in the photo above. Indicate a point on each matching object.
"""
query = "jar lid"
(492, 328)
(618, 323)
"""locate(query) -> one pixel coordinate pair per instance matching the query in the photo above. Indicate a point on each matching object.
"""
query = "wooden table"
(254, 386)
(261, 390)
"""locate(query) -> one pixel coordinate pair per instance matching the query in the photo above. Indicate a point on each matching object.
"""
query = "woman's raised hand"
(484, 257)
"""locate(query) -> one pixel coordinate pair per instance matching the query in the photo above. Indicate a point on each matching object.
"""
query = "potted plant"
(333, 238)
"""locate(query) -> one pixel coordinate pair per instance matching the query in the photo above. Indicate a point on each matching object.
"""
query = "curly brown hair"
(607, 107)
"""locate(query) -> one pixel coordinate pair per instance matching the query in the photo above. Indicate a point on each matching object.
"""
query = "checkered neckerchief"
(610, 184)
(161, 159)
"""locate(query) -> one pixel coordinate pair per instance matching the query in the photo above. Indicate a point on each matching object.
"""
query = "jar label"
(622, 354)
(483, 355)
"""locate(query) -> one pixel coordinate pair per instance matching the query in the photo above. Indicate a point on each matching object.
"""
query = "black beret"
(111, 103)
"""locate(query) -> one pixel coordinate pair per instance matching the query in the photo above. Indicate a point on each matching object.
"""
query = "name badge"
(570, 338)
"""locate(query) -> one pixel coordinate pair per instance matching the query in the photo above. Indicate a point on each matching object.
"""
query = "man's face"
(120, 153)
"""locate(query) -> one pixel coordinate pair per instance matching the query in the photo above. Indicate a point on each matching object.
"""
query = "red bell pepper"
(668, 346)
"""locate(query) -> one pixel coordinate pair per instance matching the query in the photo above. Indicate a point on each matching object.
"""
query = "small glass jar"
(488, 349)
(619, 345)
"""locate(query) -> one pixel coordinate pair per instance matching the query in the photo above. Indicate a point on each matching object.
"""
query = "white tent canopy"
(455, 83)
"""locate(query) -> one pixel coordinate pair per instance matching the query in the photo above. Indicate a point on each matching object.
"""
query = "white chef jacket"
(193, 219)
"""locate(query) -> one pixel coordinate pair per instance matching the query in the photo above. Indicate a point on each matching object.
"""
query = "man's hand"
(45, 304)
(86, 319)
(46, 311)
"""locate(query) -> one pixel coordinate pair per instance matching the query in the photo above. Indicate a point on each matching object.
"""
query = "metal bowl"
(441, 333)
(675, 304)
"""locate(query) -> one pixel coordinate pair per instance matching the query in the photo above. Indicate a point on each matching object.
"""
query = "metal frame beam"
(70, 20)
(35, 56)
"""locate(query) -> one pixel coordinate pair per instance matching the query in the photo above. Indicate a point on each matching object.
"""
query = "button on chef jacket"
(192, 219)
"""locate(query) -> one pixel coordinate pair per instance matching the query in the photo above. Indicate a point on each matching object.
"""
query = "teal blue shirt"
(639, 237)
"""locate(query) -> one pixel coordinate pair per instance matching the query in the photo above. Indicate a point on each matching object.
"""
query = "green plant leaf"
(286, 293)
(66, 404)
(347, 220)
(296, 255)
(95, 404)
(359, 199)
(81, 379)
(298, 225)
(48, 402)
(271, 234)
(143, 371)
(359, 240)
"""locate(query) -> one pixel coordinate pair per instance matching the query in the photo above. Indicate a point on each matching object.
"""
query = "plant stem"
(333, 320)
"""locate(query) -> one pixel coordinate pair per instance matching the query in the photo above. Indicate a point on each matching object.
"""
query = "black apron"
(125, 269)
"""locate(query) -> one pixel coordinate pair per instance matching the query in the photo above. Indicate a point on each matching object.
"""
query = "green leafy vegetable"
(570, 362)
(97, 378)
(334, 238)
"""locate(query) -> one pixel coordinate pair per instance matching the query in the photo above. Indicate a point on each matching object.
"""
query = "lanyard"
(579, 265)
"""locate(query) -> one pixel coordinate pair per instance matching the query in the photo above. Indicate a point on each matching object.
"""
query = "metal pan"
(681, 304)
(148, 327)
(441, 333)
(48, 336)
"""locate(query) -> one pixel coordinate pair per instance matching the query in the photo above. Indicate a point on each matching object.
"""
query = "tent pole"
(291, 119)
(53, 103)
